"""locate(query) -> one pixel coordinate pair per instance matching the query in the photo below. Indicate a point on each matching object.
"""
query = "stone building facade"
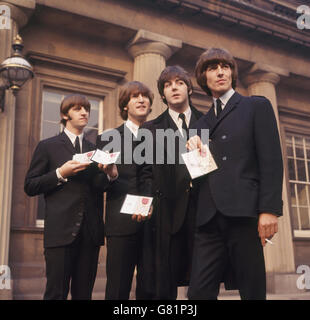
(93, 47)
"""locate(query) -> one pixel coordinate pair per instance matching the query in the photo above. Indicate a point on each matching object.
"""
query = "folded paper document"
(136, 205)
(199, 163)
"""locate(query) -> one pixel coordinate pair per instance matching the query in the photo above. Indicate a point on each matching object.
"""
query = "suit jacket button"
(73, 234)
(80, 214)
(224, 158)
(78, 224)
(224, 137)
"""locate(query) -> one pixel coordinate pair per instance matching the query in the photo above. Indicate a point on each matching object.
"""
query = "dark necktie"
(184, 125)
(77, 146)
(218, 107)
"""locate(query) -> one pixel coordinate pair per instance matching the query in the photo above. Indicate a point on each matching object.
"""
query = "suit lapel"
(231, 105)
(67, 142)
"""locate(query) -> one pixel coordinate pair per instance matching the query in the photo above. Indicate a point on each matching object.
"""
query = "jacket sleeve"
(39, 178)
(269, 155)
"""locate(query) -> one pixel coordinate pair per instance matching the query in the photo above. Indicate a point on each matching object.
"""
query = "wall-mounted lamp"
(14, 71)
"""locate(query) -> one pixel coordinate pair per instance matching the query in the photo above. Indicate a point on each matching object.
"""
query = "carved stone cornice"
(271, 17)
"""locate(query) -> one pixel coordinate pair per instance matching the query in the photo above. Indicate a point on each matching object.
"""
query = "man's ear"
(190, 92)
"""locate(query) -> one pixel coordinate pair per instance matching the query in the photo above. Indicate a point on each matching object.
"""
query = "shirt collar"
(175, 116)
(132, 127)
(72, 136)
(225, 97)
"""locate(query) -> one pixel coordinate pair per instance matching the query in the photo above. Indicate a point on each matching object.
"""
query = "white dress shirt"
(175, 117)
(132, 127)
(72, 138)
(224, 99)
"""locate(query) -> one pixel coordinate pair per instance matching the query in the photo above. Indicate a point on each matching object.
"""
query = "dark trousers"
(76, 263)
(124, 253)
(228, 241)
(176, 271)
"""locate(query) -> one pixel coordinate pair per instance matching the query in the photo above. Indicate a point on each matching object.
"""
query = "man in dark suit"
(124, 234)
(239, 203)
(168, 181)
(73, 227)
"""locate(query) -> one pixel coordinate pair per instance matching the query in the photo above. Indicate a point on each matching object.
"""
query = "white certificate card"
(136, 205)
(83, 157)
(199, 163)
(104, 157)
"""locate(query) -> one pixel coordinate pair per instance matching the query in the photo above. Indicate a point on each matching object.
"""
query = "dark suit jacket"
(117, 223)
(246, 147)
(66, 204)
(169, 184)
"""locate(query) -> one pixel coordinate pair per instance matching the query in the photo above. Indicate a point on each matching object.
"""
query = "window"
(51, 119)
(298, 154)
(51, 126)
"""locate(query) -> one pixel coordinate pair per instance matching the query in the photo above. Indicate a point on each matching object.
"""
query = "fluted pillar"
(262, 80)
(150, 52)
(18, 17)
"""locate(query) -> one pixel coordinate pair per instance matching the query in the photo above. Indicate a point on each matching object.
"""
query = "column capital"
(261, 72)
(262, 76)
(149, 42)
(21, 10)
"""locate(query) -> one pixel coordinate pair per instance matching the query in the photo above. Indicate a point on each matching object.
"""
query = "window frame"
(298, 233)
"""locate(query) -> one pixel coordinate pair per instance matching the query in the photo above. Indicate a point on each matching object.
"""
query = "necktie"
(184, 125)
(218, 107)
(77, 146)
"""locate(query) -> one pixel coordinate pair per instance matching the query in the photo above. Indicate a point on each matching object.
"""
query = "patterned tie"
(184, 125)
(218, 107)
(77, 146)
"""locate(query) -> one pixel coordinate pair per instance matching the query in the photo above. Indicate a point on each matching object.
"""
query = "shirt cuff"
(112, 179)
(61, 179)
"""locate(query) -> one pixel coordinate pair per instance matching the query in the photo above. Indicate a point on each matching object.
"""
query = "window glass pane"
(93, 118)
(293, 195)
(51, 104)
(291, 169)
(289, 151)
(301, 170)
(308, 148)
(299, 147)
(302, 194)
(304, 218)
(295, 219)
(50, 129)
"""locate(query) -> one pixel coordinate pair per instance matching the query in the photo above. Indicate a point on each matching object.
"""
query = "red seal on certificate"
(145, 201)
(89, 154)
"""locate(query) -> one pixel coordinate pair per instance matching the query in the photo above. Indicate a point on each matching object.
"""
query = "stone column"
(262, 80)
(150, 52)
(18, 17)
